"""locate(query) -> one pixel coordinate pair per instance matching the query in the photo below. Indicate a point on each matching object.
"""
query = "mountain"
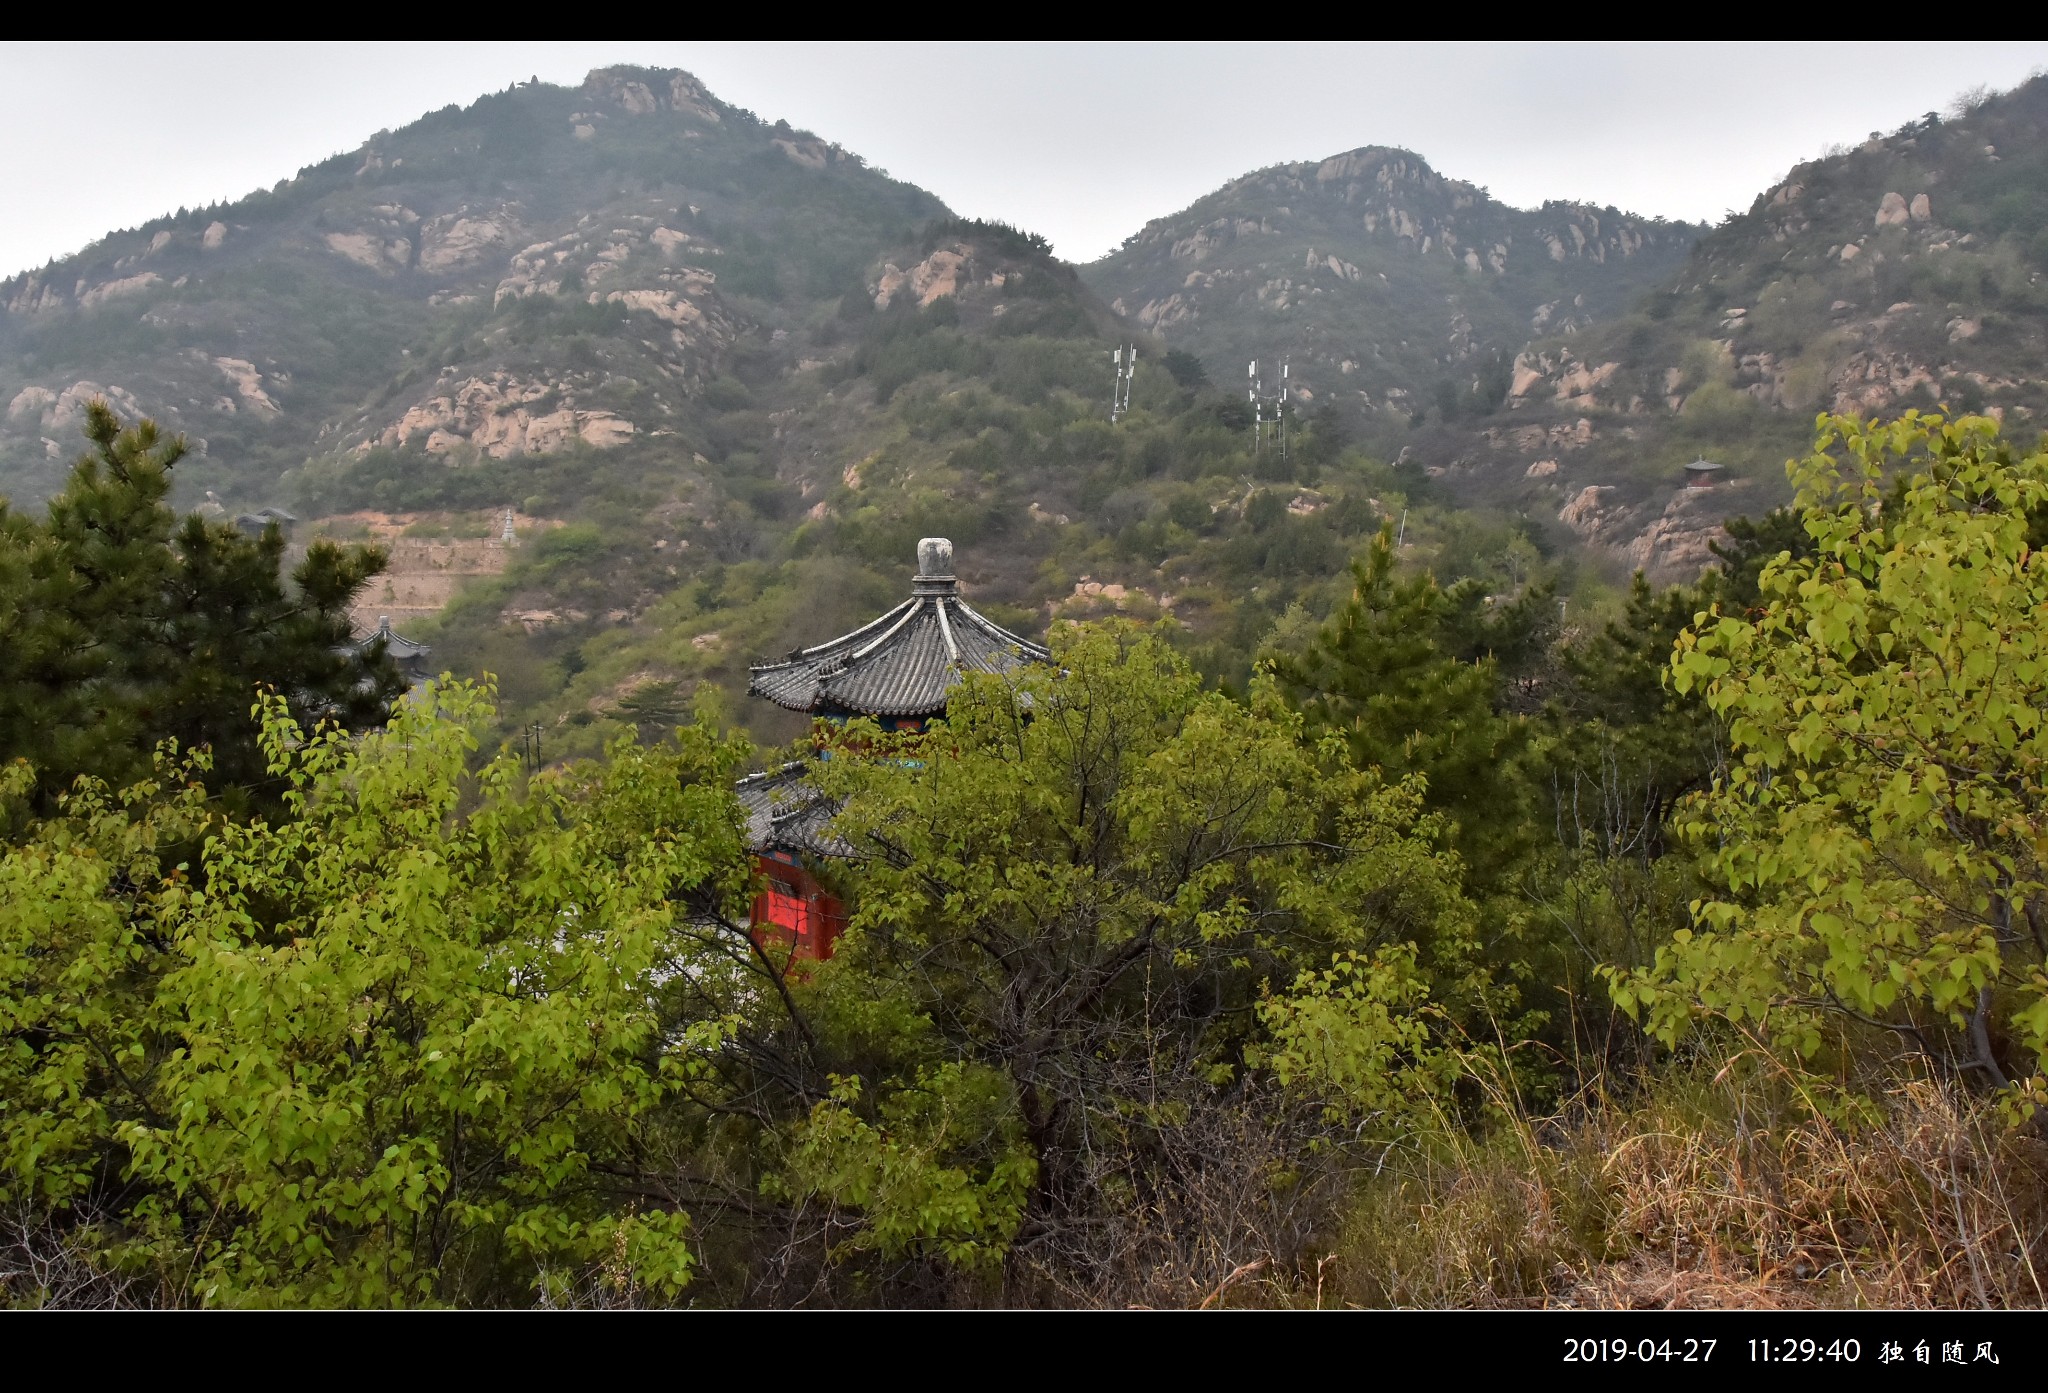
(638, 387)
(1563, 365)
(1394, 289)
(1903, 273)
(548, 266)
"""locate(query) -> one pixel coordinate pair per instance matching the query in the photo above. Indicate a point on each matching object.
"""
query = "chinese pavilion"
(897, 670)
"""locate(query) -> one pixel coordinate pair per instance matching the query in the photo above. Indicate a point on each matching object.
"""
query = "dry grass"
(1753, 1194)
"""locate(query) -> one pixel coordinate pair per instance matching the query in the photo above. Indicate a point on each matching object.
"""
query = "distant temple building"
(254, 523)
(410, 658)
(897, 670)
(1702, 474)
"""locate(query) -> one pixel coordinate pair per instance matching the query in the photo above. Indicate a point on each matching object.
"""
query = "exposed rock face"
(34, 297)
(61, 412)
(1528, 439)
(459, 238)
(114, 289)
(366, 250)
(664, 305)
(1588, 513)
(1578, 386)
(504, 416)
(214, 237)
(1870, 382)
(1892, 211)
(936, 276)
(687, 95)
(30, 403)
(639, 92)
(248, 384)
(811, 154)
(383, 241)
(1675, 547)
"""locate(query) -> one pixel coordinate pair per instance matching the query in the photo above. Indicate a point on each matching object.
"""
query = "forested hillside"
(1398, 291)
(1565, 364)
(722, 376)
(1380, 897)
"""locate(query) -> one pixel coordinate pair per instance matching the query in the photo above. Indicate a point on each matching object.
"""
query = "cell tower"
(1269, 410)
(1126, 360)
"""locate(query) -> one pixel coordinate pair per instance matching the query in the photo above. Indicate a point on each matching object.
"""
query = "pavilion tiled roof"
(785, 813)
(904, 663)
(410, 656)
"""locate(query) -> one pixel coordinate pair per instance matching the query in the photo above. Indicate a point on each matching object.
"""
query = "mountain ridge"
(718, 375)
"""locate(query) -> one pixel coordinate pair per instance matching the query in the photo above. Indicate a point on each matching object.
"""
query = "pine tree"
(1402, 674)
(122, 625)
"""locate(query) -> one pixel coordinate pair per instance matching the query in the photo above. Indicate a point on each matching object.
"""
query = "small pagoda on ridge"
(898, 671)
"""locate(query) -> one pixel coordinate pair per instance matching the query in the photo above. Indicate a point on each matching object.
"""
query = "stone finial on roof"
(935, 568)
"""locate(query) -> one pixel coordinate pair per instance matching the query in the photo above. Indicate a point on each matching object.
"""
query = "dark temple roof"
(409, 656)
(784, 813)
(906, 662)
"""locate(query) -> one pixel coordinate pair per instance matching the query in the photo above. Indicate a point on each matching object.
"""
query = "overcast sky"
(1083, 143)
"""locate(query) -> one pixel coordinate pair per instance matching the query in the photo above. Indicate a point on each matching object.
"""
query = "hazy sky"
(1083, 143)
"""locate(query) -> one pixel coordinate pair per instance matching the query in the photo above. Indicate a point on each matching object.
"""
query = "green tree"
(1406, 674)
(1877, 841)
(1077, 891)
(405, 1043)
(122, 625)
(1186, 369)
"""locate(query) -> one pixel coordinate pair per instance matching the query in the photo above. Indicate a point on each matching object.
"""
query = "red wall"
(793, 919)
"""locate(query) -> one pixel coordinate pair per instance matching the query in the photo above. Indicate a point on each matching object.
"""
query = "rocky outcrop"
(35, 297)
(367, 250)
(811, 154)
(643, 92)
(462, 237)
(215, 236)
(669, 306)
(937, 276)
(1873, 380)
(1579, 385)
(1675, 547)
(383, 241)
(502, 416)
(61, 411)
(115, 289)
(248, 384)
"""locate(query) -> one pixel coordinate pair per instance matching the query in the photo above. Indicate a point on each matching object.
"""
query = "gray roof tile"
(902, 664)
(785, 813)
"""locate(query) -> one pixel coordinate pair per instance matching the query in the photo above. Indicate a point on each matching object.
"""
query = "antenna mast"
(1269, 411)
(1126, 360)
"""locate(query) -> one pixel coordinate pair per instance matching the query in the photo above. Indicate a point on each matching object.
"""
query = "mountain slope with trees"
(1336, 919)
(1396, 291)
